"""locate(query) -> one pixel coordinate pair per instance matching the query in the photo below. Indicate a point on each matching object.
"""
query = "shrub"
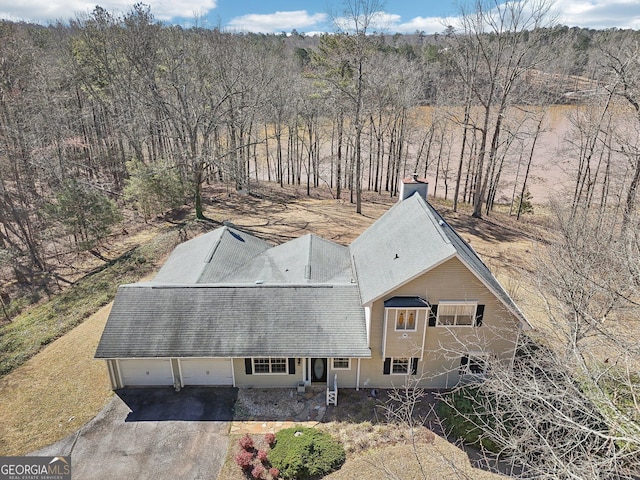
(306, 453)
(244, 459)
(262, 456)
(463, 412)
(246, 442)
(274, 472)
(270, 438)
(153, 189)
(257, 471)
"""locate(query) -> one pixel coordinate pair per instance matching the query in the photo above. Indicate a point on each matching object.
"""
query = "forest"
(110, 113)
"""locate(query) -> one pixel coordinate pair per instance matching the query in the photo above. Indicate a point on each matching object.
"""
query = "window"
(400, 366)
(269, 365)
(456, 314)
(341, 363)
(473, 364)
(406, 319)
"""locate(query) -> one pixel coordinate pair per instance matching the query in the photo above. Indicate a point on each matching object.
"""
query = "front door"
(319, 370)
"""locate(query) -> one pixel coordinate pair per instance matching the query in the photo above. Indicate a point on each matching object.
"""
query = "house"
(408, 296)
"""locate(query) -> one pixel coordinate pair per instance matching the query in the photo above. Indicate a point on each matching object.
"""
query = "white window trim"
(333, 367)
(286, 366)
(415, 321)
(408, 360)
(483, 357)
(456, 303)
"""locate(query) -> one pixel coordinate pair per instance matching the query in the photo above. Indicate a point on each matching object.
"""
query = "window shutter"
(292, 366)
(479, 315)
(387, 366)
(414, 366)
(463, 364)
(247, 366)
(433, 314)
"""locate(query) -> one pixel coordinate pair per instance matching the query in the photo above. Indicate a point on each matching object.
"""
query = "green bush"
(306, 453)
(154, 189)
(462, 411)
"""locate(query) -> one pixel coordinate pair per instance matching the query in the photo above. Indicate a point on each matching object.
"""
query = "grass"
(55, 392)
(435, 460)
(37, 327)
(54, 385)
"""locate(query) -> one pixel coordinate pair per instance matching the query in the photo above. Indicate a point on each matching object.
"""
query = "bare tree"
(341, 62)
(496, 46)
(567, 407)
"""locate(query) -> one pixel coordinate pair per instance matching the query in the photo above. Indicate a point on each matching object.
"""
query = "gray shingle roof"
(385, 258)
(229, 294)
(308, 259)
(236, 321)
(472, 260)
(406, 302)
(403, 243)
(210, 257)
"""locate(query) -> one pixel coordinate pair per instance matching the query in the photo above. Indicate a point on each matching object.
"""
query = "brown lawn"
(55, 392)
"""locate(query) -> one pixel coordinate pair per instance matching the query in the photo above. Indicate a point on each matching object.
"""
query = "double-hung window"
(473, 364)
(269, 365)
(456, 314)
(400, 366)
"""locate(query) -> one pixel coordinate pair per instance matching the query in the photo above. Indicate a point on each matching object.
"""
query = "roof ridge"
(464, 242)
(429, 210)
(215, 246)
(307, 268)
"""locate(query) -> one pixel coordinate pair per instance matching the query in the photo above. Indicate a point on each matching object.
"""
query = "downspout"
(358, 377)
(233, 373)
(304, 370)
(117, 364)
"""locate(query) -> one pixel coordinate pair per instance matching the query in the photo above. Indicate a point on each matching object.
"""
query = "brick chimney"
(413, 184)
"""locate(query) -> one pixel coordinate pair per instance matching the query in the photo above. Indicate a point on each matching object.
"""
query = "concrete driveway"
(153, 433)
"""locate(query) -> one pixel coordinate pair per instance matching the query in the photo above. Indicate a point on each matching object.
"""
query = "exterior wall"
(114, 377)
(280, 380)
(346, 378)
(439, 366)
(399, 342)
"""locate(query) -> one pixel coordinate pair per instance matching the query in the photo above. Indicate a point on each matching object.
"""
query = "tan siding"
(443, 346)
(403, 343)
(265, 381)
(346, 378)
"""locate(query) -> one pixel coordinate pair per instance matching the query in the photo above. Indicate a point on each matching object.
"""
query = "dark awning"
(406, 302)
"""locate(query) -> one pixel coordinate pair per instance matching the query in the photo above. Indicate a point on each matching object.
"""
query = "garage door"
(145, 372)
(206, 371)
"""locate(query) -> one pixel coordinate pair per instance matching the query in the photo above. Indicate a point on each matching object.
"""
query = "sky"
(276, 16)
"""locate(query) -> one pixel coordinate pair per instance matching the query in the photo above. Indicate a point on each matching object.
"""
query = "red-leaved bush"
(262, 456)
(244, 459)
(246, 442)
(274, 472)
(270, 438)
(257, 471)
